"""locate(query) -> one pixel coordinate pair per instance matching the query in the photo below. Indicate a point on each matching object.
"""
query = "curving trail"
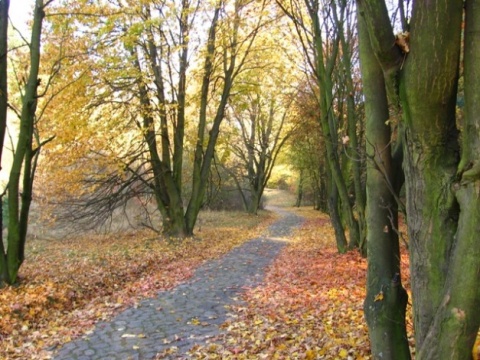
(192, 312)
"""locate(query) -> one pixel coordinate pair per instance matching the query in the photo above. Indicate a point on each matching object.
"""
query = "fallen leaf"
(378, 297)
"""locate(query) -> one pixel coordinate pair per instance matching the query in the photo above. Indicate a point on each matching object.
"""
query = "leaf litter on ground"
(310, 305)
(68, 285)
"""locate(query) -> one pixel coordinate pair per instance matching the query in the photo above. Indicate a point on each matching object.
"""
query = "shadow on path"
(190, 313)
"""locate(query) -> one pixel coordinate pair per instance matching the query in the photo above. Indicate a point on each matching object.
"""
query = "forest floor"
(309, 305)
(68, 285)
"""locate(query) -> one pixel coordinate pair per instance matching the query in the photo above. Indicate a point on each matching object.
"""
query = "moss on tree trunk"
(443, 190)
(386, 299)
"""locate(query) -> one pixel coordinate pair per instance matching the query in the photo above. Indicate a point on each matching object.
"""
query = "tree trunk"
(19, 204)
(167, 194)
(202, 158)
(386, 300)
(167, 171)
(322, 195)
(254, 204)
(456, 321)
(323, 62)
(340, 238)
(442, 190)
(352, 147)
(298, 201)
(431, 152)
(4, 5)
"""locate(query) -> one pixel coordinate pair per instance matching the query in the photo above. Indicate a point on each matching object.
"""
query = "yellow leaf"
(310, 355)
(343, 353)
(378, 297)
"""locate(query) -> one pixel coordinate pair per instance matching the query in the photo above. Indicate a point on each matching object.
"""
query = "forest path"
(192, 312)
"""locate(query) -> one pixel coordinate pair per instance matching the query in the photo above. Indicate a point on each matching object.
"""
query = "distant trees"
(306, 150)
(327, 46)
(260, 116)
(261, 137)
(159, 94)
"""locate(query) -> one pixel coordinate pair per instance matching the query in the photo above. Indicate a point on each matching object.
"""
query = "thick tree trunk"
(386, 300)
(431, 152)
(454, 327)
(442, 191)
(254, 203)
(203, 167)
(168, 171)
(453, 330)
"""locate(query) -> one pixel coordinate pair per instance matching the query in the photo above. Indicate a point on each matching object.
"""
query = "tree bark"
(352, 147)
(386, 300)
(327, 122)
(442, 189)
(4, 6)
(19, 204)
(200, 172)
(167, 195)
(431, 152)
(457, 319)
(298, 201)
(333, 205)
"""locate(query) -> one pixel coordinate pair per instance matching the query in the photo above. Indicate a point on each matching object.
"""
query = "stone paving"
(188, 314)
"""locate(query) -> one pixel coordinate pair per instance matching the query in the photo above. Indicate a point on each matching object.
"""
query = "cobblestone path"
(188, 314)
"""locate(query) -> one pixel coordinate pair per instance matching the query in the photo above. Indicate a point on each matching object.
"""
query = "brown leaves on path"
(309, 307)
(69, 285)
